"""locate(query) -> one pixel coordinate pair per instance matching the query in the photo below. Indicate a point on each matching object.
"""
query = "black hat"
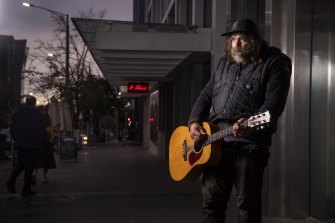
(241, 26)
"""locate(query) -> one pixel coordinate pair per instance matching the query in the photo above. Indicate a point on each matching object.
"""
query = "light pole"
(67, 46)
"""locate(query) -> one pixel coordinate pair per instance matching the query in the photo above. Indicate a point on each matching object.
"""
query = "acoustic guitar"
(187, 160)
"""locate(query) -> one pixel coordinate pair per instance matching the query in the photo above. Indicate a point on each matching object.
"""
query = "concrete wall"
(300, 178)
(322, 124)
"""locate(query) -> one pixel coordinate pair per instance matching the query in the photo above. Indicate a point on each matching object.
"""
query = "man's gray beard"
(238, 58)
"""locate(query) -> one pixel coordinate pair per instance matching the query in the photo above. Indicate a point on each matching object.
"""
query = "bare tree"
(45, 70)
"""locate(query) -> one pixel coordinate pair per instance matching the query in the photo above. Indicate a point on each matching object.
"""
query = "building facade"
(175, 45)
(12, 61)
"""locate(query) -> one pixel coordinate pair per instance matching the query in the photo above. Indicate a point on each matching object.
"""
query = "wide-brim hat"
(242, 26)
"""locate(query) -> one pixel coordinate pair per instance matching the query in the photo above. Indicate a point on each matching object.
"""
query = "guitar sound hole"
(197, 147)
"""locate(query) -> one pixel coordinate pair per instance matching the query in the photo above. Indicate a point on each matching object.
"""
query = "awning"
(128, 52)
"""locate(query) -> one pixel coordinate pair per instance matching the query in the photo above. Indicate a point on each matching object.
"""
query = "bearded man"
(251, 78)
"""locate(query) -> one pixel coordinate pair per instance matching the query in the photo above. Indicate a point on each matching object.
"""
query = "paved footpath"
(109, 183)
(112, 183)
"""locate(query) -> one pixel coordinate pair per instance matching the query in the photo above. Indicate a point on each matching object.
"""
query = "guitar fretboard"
(217, 135)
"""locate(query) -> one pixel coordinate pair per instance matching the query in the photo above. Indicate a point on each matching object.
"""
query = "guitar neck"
(217, 136)
(253, 121)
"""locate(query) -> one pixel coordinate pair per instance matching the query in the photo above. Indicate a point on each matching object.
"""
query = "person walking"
(46, 158)
(28, 132)
(251, 78)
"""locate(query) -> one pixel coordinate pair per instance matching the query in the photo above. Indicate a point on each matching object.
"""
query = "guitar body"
(186, 160)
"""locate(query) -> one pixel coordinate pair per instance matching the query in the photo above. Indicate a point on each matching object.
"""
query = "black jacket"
(237, 90)
(28, 128)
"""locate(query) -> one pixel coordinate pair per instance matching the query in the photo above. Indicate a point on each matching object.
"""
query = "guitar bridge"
(185, 150)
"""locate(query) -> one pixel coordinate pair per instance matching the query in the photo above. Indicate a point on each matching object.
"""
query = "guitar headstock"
(258, 120)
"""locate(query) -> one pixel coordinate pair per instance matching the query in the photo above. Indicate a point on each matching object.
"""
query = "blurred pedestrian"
(46, 159)
(28, 132)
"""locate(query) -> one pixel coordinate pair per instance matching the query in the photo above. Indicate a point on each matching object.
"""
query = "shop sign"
(138, 87)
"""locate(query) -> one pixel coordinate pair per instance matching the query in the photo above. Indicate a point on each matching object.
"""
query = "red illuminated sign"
(138, 87)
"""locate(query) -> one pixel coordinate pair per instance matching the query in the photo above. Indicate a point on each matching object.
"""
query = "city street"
(111, 182)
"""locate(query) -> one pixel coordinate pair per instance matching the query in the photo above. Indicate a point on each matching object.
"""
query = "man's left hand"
(240, 131)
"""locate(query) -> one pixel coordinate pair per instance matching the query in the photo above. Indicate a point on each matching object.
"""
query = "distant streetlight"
(67, 48)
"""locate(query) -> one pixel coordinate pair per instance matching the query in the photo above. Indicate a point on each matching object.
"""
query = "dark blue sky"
(33, 23)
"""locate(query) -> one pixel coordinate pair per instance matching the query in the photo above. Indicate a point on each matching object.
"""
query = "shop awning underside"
(128, 52)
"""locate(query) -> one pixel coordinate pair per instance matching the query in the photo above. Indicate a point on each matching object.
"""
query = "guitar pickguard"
(194, 157)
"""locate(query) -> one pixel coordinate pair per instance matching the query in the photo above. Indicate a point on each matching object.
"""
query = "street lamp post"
(67, 46)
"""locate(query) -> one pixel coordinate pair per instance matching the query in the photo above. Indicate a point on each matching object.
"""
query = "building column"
(219, 21)
(146, 122)
(198, 13)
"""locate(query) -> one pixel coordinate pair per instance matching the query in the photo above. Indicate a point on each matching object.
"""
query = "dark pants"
(26, 160)
(240, 168)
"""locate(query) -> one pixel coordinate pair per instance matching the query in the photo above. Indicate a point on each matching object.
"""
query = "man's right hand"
(196, 131)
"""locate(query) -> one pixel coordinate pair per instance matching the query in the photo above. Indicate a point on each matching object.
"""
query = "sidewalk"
(109, 183)
(5, 164)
